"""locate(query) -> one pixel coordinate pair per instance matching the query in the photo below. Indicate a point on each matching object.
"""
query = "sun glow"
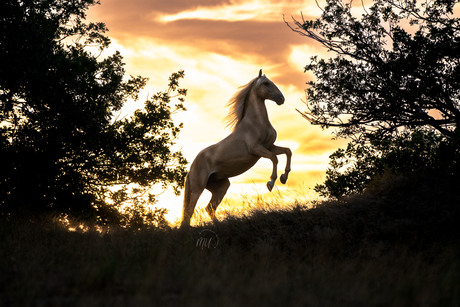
(240, 205)
(242, 199)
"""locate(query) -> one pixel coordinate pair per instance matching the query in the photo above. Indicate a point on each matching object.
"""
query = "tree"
(392, 86)
(395, 67)
(420, 153)
(62, 148)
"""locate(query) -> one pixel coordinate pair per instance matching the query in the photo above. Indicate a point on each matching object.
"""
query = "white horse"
(252, 138)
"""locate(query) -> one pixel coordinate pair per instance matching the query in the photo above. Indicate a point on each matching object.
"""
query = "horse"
(252, 138)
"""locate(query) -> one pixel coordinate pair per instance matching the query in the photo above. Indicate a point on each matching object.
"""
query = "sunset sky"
(221, 45)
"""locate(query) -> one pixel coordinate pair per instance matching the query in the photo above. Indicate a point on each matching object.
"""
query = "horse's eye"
(266, 83)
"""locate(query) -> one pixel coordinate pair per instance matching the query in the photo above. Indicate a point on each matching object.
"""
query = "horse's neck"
(256, 111)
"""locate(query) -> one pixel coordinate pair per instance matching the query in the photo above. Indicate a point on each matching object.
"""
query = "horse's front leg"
(277, 150)
(261, 151)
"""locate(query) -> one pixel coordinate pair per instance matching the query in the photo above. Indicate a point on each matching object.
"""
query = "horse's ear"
(260, 73)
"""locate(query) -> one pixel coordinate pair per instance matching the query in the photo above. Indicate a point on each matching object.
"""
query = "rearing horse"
(252, 138)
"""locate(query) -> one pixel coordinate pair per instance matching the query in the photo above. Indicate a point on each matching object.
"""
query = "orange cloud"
(262, 34)
(240, 10)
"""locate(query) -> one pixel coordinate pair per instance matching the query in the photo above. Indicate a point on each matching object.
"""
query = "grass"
(396, 245)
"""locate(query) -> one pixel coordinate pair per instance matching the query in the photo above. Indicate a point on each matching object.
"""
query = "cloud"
(240, 10)
(262, 35)
(227, 12)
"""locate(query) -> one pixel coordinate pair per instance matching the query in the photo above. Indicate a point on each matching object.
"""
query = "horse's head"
(266, 89)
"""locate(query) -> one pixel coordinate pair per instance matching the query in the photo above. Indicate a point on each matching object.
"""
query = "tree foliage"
(422, 153)
(392, 86)
(396, 66)
(62, 147)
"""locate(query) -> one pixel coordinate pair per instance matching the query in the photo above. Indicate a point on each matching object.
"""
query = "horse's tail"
(187, 193)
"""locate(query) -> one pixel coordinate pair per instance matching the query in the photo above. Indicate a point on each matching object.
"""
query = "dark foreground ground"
(397, 245)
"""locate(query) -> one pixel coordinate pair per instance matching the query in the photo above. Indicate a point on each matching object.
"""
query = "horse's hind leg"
(218, 188)
(189, 208)
(193, 190)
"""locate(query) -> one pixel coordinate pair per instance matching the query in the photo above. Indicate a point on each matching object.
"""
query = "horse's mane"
(236, 105)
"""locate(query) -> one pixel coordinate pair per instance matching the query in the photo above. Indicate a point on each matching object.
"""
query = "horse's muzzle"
(279, 100)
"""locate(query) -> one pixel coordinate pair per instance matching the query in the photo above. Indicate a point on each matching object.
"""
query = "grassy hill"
(395, 245)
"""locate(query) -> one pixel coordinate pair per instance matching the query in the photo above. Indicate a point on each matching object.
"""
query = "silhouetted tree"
(392, 86)
(62, 148)
(395, 66)
(420, 153)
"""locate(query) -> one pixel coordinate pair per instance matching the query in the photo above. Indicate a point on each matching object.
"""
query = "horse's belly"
(234, 167)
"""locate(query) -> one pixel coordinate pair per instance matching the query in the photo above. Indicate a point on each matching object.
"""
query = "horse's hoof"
(283, 178)
(270, 186)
